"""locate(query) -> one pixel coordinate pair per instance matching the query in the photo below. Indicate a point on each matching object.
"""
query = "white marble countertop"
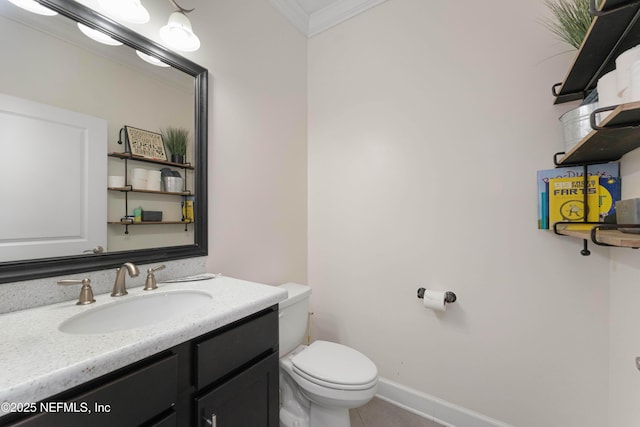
(37, 360)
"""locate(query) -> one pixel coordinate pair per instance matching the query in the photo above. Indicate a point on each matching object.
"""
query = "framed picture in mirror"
(143, 143)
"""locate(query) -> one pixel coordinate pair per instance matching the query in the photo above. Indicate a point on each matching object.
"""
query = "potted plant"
(571, 20)
(176, 139)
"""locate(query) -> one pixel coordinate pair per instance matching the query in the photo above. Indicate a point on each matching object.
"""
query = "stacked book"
(561, 195)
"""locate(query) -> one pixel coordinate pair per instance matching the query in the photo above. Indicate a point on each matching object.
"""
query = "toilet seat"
(335, 366)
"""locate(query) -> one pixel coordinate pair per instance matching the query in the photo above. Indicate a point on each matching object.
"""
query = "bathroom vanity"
(216, 365)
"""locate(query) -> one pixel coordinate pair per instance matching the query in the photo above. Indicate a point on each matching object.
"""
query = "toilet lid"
(328, 363)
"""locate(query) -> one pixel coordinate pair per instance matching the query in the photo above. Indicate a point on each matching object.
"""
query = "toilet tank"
(294, 315)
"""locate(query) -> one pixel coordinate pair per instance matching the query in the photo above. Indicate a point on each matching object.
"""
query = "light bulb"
(35, 7)
(151, 59)
(126, 10)
(98, 36)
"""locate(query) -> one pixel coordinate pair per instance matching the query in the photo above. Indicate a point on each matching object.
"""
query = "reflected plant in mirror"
(176, 139)
(71, 79)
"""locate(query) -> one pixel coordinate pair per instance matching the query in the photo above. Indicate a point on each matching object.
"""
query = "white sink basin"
(135, 311)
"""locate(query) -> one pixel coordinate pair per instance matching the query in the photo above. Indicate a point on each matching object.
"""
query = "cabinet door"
(249, 399)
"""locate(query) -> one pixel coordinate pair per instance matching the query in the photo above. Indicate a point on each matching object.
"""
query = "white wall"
(258, 150)
(427, 123)
(625, 316)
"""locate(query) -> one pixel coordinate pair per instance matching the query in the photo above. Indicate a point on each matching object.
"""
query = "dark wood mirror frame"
(47, 267)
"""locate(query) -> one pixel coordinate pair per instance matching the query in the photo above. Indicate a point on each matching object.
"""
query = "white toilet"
(319, 383)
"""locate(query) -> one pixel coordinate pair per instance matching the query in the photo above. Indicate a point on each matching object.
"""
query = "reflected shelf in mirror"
(130, 156)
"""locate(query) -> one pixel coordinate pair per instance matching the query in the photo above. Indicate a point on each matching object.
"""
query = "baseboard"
(433, 408)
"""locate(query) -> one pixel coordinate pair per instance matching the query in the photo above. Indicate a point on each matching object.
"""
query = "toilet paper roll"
(623, 68)
(114, 181)
(435, 300)
(139, 173)
(634, 87)
(139, 184)
(607, 91)
(154, 175)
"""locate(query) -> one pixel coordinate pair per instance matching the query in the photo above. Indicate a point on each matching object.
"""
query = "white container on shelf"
(139, 184)
(138, 179)
(153, 180)
(624, 61)
(115, 181)
(608, 90)
(139, 173)
(634, 87)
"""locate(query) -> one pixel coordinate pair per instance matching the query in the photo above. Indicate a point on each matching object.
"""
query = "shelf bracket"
(595, 126)
(593, 10)
(585, 243)
(585, 249)
(555, 157)
(581, 94)
(594, 230)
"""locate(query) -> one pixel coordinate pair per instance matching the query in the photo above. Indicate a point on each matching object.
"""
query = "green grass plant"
(571, 20)
(176, 139)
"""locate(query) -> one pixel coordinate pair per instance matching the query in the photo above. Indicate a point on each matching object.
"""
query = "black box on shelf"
(151, 215)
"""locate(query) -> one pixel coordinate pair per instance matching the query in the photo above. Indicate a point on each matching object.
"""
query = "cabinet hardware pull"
(211, 421)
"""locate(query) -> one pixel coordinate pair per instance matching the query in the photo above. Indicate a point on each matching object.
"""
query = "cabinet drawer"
(227, 351)
(128, 400)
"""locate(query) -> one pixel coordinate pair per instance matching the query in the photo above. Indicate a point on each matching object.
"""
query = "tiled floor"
(379, 413)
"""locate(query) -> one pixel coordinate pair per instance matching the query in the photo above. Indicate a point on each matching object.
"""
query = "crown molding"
(325, 18)
(338, 12)
(292, 10)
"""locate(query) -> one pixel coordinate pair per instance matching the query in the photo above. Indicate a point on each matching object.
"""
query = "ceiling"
(312, 17)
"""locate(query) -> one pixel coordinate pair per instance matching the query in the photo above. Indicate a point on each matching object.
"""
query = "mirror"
(183, 74)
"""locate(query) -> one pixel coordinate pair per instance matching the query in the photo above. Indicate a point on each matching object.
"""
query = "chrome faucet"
(119, 287)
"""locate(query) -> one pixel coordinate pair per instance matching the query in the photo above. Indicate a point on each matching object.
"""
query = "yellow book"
(187, 209)
(566, 201)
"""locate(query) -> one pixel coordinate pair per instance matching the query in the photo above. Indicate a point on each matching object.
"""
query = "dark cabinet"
(231, 373)
(131, 399)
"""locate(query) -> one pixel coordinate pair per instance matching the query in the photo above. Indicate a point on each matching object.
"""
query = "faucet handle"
(86, 293)
(150, 283)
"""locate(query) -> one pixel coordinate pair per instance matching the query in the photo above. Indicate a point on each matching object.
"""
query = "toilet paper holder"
(449, 296)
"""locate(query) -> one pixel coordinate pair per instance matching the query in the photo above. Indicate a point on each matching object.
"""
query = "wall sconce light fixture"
(178, 34)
